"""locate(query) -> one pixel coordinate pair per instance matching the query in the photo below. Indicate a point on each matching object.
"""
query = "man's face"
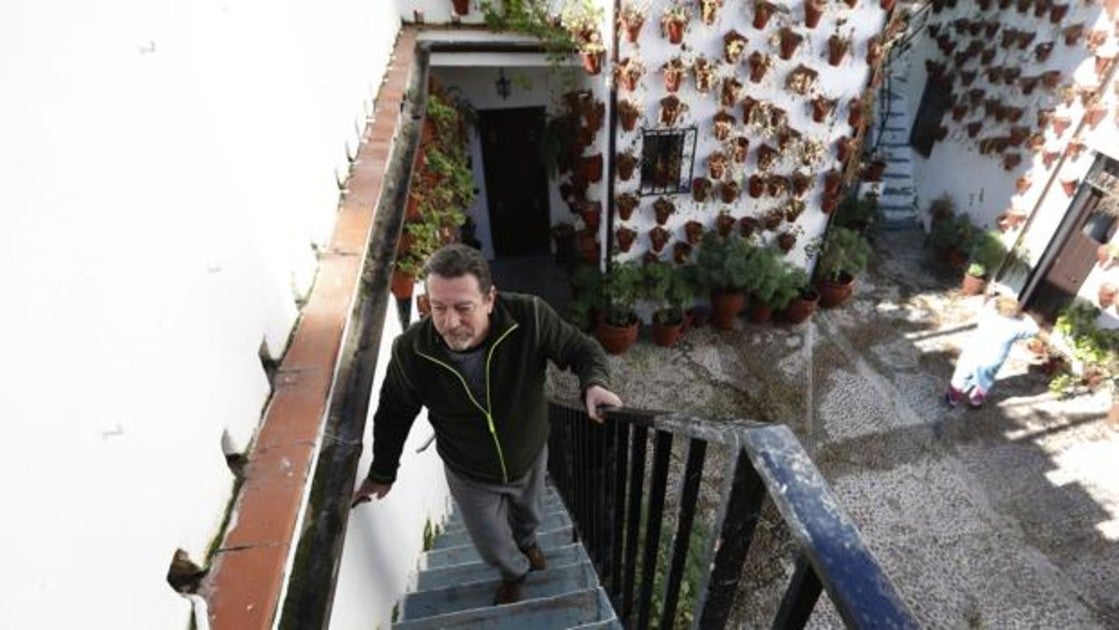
(459, 310)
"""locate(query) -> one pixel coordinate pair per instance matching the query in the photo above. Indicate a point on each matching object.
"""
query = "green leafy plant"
(791, 282)
(1095, 348)
(723, 262)
(842, 252)
(621, 288)
(987, 252)
(531, 17)
(764, 274)
(857, 214)
(672, 288)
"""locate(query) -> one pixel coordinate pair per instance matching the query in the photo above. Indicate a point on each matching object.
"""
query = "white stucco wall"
(845, 82)
(167, 169)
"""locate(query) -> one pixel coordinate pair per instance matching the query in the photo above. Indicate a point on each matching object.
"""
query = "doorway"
(935, 101)
(516, 183)
(1091, 223)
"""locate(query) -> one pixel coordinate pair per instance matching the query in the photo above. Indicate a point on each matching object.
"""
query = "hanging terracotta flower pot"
(649, 258)
(724, 223)
(728, 192)
(590, 167)
(755, 186)
(632, 21)
(786, 241)
(1070, 186)
(873, 172)
(586, 243)
(790, 41)
(837, 49)
(628, 113)
(759, 64)
(762, 12)
(1094, 115)
(658, 237)
(709, 11)
(591, 213)
(855, 115)
(704, 75)
(748, 225)
(671, 109)
(887, 5)
(793, 209)
(749, 104)
(717, 165)
(958, 112)
(628, 72)
(673, 70)
(851, 4)
(833, 179)
(1043, 50)
(1025, 38)
(830, 204)
(773, 219)
(1096, 38)
(1073, 149)
(1060, 124)
(701, 188)
(592, 61)
(786, 137)
(734, 44)
(693, 232)
(626, 162)
(1022, 184)
(822, 108)
(1041, 7)
(680, 252)
(801, 183)
(740, 149)
(1049, 157)
(845, 148)
(663, 208)
(1073, 33)
(626, 203)
(1010, 161)
(462, 7)
(625, 238)
(723, 125)
(1103, 64)
(801, 80)
(767, 155)
(813, 11)
(674, 22)
(1051, 78)
(874, 50)
(730, 93)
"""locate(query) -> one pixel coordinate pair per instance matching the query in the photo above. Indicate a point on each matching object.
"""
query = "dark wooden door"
(516, 184)
(1076, 257)
(935, 101)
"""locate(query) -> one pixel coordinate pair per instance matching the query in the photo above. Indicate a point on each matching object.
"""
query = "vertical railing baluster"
(633, 515)
(661, 454)
(689, 493)
(742, 508)
(600, 497)
(621, 465)
(800, 598)
(579, 425)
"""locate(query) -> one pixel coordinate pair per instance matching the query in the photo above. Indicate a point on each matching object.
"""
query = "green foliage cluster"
(844, 251)
(672, 288)
(987, 251)
(531, 17)
(1097, 349)
(857, 214)
(723, 262)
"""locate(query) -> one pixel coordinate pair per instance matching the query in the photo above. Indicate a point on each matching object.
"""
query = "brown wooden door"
(1077, 256)
(516, 184)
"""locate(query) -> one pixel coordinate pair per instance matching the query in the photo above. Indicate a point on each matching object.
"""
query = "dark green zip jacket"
(494, 440)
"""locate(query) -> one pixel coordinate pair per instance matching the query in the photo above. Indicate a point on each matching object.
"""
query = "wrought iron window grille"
(667, 161)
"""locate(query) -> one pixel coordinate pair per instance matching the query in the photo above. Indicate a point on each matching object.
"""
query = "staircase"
(897, 197)
(455, 589)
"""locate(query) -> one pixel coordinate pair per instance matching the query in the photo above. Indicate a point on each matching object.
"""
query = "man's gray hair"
(457, 260)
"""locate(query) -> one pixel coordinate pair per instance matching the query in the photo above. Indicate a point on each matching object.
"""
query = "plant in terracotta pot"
(794, 298)
(724, 223)
(748, 226)
(858, 214)
(586, 284)
(822, 108)
(773, 218)
(681, 251)
(759, 63)
(705, 74)
(801, 80)
(693, 232)
(671, 288)
(625, 203)
(987, 253)
(628, 113)
(631, 18)
(673, 71)
(730, 92)
(625, 237)
(756, 185)
(674, 20)
(620, 289)
(671, 109)
(723, 125)
(801, 182)
(664, 208)
(813, 11)
(762, 277)
(626, 163)
(838, 46)
(658, 238)
(734, 44)
(788, 42)
(728, 191)
(767, 157)
(722, 267)
(629, 71)
(843, 255)
(763, 10)
(701, 189)
(717, 165)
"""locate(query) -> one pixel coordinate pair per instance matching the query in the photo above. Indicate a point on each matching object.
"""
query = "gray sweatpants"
(502, 518)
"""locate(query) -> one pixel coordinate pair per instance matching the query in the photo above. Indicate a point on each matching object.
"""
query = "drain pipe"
(611, 147)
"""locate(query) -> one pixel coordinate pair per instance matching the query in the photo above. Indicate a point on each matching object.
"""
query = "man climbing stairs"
(455, 589)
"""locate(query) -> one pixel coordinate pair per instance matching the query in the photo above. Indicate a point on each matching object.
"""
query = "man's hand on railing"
(369, 489)
(599, 396)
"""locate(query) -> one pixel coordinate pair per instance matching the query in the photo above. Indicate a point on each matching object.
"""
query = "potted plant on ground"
(586, 284)
(857, 214)
(762, 277)
(843, 254)
(987, 252)
(618, 294)
(794, 298)
(672, 289)
(721, 267)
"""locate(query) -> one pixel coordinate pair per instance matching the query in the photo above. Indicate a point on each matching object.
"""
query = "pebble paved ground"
(1003, 517)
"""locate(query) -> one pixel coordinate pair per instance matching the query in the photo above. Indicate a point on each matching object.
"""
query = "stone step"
(476, 571)
(611, 624)
(464, 554)
(551, 613)
(459, 536)
(455, 524)
(459, 597)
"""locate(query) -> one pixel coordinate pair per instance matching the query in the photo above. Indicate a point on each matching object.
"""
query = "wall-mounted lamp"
(502, 84)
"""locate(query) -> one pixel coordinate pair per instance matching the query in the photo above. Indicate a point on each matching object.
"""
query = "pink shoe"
(975, 401)
(953, 396)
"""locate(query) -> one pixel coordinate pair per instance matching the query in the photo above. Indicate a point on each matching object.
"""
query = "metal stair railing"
(619, 511)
